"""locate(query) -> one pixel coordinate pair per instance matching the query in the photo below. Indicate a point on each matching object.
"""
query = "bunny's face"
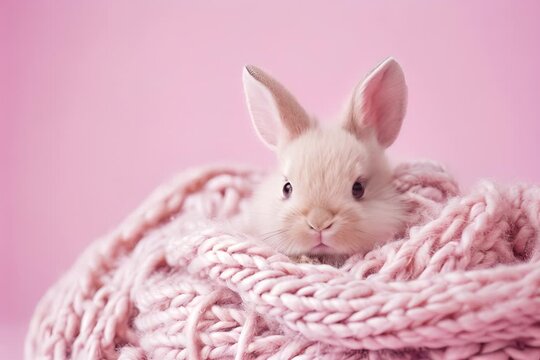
(332, 193)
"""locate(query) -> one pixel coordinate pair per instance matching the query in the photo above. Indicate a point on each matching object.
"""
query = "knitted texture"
(177, 280)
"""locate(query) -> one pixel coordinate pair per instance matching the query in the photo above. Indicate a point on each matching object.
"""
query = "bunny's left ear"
(275, 113)
(378, 104)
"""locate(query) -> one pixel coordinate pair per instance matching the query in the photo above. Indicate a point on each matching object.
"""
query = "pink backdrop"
(101, 101)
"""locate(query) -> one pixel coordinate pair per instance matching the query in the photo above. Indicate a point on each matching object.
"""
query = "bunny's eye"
(287, 190)
(358, 190)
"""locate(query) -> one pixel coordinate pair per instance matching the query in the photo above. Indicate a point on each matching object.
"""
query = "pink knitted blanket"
(174, 282)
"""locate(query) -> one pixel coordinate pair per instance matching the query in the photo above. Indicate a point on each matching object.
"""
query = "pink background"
(101, 101)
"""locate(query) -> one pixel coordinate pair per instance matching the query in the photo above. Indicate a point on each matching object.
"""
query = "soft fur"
(322, 164)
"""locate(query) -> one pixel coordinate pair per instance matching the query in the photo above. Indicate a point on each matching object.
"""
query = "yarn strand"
(179, 280)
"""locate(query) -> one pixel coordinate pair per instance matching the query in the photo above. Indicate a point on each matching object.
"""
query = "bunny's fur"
(322, 164)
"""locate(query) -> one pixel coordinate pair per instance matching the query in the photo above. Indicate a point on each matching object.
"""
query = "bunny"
(332, 195)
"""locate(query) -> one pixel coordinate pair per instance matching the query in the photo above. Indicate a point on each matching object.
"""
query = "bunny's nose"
(319, 219)
(319, 228)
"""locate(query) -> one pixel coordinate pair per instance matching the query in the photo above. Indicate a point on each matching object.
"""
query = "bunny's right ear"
(379, 103)
(275, 113)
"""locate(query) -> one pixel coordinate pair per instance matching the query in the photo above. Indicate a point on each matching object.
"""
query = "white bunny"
(332, 194)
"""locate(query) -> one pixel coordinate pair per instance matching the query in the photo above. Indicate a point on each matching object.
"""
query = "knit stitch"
(176, 280)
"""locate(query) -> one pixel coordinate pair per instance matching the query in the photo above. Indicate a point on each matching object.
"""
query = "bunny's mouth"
(321, 249)
(321, 246)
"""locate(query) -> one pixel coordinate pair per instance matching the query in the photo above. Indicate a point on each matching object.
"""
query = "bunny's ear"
(275, 113)
(379, 103)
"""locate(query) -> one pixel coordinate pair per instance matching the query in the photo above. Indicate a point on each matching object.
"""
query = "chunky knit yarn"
(177, 281)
